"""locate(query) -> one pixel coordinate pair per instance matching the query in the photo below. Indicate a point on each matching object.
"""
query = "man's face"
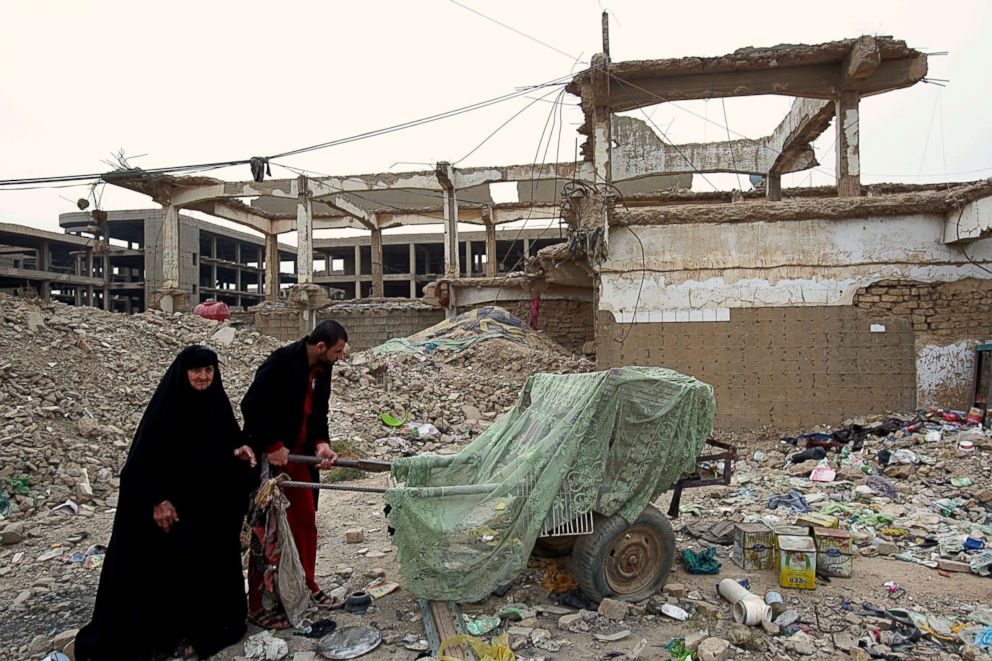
(201, 377)
(329, 355)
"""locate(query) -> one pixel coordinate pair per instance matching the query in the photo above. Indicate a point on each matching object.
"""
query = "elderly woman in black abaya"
(172, 577)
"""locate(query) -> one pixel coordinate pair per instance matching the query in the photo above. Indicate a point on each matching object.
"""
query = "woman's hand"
(165, 515)
(244, 453)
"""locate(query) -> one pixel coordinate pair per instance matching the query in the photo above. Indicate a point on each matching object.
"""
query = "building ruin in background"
(800, 306)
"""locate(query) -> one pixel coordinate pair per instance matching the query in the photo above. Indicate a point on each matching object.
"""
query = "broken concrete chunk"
(613, 609)
(713, 649)
(354, 536)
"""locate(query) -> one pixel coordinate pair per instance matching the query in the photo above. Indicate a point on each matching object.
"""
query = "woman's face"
(201, 377)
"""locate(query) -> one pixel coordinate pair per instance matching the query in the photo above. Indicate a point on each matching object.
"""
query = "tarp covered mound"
(610, 442)
(462, 331)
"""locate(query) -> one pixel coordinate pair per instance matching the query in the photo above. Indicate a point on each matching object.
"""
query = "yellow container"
(795, 531)
(834, 552)
(817, 520)
(752, 546)
(797, 562)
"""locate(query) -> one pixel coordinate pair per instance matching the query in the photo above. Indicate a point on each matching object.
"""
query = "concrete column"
(170, 247)
(213, 275)
(358, 271)
(773, 187)
(378, 291)
(106, 282)
(271, 267)
(446, 177)
(468, 258)
(304, 236)
(89, 295)
(526, 250)
(237, 271)
(848, 145)
(44, 264)
(491, 250)
(413, 270)
(213, 247)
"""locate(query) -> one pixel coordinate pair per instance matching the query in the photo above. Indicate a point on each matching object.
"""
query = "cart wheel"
(625, 561)
(554, 547)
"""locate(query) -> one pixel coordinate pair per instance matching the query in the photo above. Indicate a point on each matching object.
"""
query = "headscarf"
(182, 429)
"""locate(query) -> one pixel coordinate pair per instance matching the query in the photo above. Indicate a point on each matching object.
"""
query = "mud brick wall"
(949, 319)
(372, 326)
(790, 367)
(569, 323)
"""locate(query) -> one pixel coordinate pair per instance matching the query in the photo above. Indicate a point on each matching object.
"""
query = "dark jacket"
(273, 406)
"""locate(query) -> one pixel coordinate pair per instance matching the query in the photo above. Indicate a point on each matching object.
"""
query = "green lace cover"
(610, 442)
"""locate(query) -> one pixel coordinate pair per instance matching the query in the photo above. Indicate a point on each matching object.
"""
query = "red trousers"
(302, 519)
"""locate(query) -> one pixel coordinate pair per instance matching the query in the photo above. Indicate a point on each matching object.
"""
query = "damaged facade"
(799, 306)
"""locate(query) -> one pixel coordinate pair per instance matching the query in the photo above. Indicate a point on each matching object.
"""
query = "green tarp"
(460, 332)
(608, 442)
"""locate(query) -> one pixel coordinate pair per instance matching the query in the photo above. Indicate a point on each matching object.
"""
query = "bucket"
(966, 446)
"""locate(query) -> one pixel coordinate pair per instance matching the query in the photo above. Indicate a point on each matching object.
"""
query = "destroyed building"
(798, 305)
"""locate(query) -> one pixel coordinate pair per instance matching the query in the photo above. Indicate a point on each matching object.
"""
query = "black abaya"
(157, 588)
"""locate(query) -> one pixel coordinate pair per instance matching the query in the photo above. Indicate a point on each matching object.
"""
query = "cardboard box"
(797, 562)
(834, 552)
(752, 546)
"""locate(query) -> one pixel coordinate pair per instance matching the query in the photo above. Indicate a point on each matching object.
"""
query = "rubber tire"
(554, 547)
(591, 553)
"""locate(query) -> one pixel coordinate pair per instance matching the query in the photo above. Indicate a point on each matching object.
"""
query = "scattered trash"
(422, 430)
(983, 638)
(962, 481)
(318, 629)
(349, 642)
(266, 646)
(704, 562)
(894, 590)
(69, 508)
(613, 637)
(380, 587)
(759, 456)
(390, 420)
(358, 603)
(482, 624)
(747, 608)
(675, 612)
(715, 532)
(793, 499)
(823, 474)
(797, 562)
(498, 649)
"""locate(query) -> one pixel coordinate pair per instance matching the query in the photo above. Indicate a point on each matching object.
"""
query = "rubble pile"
(447, 397)
(74, 382)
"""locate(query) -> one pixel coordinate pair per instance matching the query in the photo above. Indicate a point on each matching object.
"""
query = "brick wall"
(791, 367)
(281, 324)
(949, 319)
(373, 325)
(945, 310)
(569, 323)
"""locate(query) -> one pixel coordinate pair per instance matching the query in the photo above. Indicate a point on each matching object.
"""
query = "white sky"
(193, 82)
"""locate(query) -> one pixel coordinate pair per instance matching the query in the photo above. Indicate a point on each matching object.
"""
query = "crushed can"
(797, 562)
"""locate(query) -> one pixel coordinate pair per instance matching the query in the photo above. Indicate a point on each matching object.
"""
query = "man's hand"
(165, 515)
(278, 457)
(328, 455)
(244, 453)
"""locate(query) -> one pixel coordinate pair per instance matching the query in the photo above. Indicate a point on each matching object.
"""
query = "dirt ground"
(61, 595)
